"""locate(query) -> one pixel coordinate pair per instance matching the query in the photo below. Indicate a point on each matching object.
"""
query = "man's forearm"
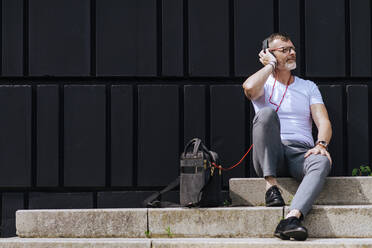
(325, 131)
(254, 84)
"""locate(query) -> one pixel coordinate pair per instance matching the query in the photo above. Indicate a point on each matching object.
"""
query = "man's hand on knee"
(319, 150)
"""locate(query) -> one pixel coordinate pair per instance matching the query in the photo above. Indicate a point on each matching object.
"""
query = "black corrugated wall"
(98, 97)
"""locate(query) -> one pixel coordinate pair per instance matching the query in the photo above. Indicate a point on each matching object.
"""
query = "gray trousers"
(282, 158)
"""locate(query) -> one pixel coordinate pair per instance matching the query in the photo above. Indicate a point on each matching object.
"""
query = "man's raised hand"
(267, 58)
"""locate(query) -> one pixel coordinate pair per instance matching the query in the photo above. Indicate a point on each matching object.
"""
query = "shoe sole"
(298, 234)
(276, 204)
(281, 236)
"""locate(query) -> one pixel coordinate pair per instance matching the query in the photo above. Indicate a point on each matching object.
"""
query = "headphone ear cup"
(265, 44)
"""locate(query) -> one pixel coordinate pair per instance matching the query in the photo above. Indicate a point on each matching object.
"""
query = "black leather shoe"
(291, 228)
(273, 198)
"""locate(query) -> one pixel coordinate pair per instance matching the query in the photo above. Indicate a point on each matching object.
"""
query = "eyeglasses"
(288, 49)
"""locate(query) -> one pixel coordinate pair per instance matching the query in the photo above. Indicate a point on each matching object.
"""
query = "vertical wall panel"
(59, 37)
(357, 126)
(158, 135)
(11, 202)
(15, 136)
(121, 135)
(289, 23)
(172, 38)
(38, 200)
(12, 37)
(126, 38)
(47, 130)
(208, 37)
(251, 28)
(194, 112)
(360, 38)
(333, 100)
(325, 38)
(228, 128)
(84, 135)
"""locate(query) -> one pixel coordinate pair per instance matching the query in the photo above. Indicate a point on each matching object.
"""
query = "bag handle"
(196, 142)
(199, 144)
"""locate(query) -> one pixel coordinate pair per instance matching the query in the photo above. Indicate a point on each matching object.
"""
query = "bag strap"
(153, 200)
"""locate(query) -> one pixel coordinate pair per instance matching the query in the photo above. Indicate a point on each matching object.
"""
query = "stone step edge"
(251, 191)
(159, 219)
(261, 242)
(182, 242)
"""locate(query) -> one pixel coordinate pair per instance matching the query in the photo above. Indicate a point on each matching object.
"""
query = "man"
(285, 106)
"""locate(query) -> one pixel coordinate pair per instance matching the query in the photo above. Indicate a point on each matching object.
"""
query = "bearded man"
(285, 107)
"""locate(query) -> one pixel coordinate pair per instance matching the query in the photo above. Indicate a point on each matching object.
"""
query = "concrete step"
(77, 223)
(260, 243)
(214, 222)
(74, 243)
(336, 191)
(229, 222)
(339, 221)
(181, 243)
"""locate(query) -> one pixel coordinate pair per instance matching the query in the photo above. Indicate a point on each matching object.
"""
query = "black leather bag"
(200, 181)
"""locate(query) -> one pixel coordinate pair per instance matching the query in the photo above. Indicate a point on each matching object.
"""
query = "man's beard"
(290, 65)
